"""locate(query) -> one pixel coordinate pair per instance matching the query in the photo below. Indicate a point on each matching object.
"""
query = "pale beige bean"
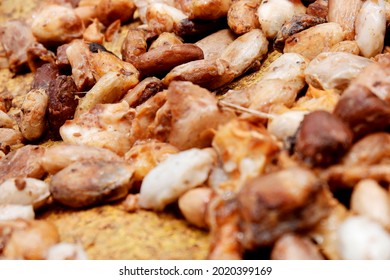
(166, 39)
(23, 162)
(193, 205)
(56, 24)
(349, 176)
(280, 85)
(59, 156)
(206, 9)
(115, 121)
(371, 200)
(297, 24)
(78, 55)
(295, 247)
(131, 203)
(86, 13)
(209, 74)
(143, 125)
(213, 45)
(134, 44)
(244, 51)
(372, 149)
(345, 13)
(88, 183)
(242, 16)
(286, 75)
(32, 122)
(311, 42)
(142, 6)
(102, 62)
(108, 11)
(85, 3)
(93, 33)
(28, 240)
(376, 79)
(325, 232)
(334, 70)
(5, 120)
(346, 46)
(234, 60)
(109, 89)
(161, 17)
(10, 139)
(194, 115)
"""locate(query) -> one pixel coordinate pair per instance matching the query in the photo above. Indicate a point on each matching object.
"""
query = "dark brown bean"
(143, 91)
(161, 60)
(363, 111)
(62, 59)
(44, 75)
(319, 9)
(322, 138)
(63, 101)
(280, 202)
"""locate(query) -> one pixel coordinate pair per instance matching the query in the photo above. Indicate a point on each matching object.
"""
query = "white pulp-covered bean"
(360, 238)
(273, 14)
(177, 174)
(14, 211)
(370, 27)
(66, 251)
(286, 125)
(24, 191)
